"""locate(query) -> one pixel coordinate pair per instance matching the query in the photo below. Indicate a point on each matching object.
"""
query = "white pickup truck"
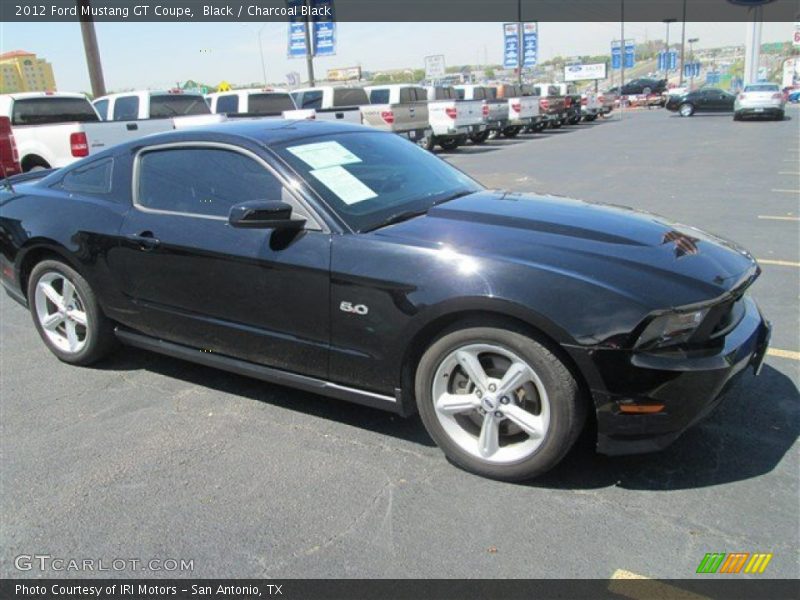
(332, 103)
(184, 109)
(523, 110)
(495, 112)
(401, 109)
(591, 107)
(257, 103)
(54, 129)
(453, 120)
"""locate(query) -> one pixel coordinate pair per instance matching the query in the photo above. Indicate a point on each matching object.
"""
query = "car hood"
(641, 255)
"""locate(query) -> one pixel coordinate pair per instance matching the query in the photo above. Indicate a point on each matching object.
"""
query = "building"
(22, 71)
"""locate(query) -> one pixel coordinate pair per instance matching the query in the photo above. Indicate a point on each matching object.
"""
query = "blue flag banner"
(616, 54)
(324, 28)
(511, 45)
(530, 44)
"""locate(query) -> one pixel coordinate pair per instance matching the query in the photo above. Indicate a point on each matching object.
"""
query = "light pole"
(683, 44)
(92, 52)
(692, 41)
(667, 22)
(261, 54)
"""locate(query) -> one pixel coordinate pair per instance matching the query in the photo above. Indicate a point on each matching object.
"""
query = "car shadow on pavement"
(354, 415)
(747, 435)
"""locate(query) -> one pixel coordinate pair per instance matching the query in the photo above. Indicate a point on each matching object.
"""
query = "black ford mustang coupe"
(352, 263)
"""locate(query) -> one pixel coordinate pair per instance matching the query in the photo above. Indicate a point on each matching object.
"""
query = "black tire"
(99, 332)
(780, 116)
(448, 144)
(686, 110)
(556, 124)
(479, 138)
(33, 163)
(567, 404)
(511, 132)
(737, 116)
(427, 143)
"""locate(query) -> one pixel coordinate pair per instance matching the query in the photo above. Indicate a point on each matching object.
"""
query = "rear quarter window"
(126, 108)
(52, 109)
(227, 104)
(312, 99)
(92, 179)
(269, 104)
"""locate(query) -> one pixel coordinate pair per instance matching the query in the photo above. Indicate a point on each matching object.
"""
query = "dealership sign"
(434, 67)
(511, 45)
(584, 72)
(530, 44)
(616, 54)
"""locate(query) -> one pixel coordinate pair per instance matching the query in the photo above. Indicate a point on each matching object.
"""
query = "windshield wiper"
(397, 218)
(453, 196)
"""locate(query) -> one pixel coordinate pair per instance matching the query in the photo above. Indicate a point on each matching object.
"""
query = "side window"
(94, 178)
(102, 107)
(126, 108)
(406, 95)
(460, 94)
(312, 99)
(228, 104)
(197, 181)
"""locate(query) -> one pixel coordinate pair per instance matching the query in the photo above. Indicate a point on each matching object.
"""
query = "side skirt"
(248, 369)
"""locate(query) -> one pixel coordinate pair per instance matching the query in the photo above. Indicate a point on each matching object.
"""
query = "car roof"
(26, 95)
(248, 91)
(267, 132)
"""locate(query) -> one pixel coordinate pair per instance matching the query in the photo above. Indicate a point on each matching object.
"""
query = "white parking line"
(783, 353)
(787, 191)
(774, 218)
(788, 172)
(777, 263)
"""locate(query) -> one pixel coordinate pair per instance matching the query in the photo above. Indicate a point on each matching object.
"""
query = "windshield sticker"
(324, 154)
(344, 184)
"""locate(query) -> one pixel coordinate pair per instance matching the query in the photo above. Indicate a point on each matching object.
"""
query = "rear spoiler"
(26, 177)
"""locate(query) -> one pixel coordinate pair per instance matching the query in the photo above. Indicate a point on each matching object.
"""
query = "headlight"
(671, 329)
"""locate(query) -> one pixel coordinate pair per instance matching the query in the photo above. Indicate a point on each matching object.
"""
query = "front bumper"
(689, 385)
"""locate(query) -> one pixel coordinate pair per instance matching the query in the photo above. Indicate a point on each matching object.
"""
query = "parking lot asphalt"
(149, 457)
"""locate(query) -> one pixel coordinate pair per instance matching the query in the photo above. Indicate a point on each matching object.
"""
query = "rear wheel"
(427, 142)
(479, 138)
(67, 315)
(511, 132)
(686, 110)
(779, 116)
(737, 116)
(498, 403)
(448, 144)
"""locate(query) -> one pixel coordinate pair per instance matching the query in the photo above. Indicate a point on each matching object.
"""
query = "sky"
(158, 55)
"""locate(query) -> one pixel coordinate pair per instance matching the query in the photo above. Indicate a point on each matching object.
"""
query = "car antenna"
(7, 181)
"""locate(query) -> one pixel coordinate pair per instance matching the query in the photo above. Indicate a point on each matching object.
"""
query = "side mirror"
(264, 214)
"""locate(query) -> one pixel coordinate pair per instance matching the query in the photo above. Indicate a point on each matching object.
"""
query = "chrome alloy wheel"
(491, 403)
(61, 313)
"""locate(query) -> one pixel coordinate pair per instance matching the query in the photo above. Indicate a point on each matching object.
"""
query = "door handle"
(145, 240)
(132, 126)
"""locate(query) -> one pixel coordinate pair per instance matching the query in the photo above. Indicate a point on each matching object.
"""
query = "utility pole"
(261, 54)
(692, 41)
(683, 44)
(622, 57)
(752, 48)
(309, 55)
(520, 40)
(92, 51)
(666, 61)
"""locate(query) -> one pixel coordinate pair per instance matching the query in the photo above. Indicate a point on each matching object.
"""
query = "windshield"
(761, 88)
(368, 178)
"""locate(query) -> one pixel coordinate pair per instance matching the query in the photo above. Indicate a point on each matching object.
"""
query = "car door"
(256, 294)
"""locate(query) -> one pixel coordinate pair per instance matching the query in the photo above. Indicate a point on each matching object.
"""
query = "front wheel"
(686, 110)
(498, 403)
(427, 142)
(67, 315)
(780, 116)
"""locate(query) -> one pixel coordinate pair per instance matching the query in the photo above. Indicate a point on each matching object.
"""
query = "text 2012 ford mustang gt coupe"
(352, 263)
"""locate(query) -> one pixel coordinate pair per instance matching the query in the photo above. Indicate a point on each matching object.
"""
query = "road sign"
(511, 45)
(616, 54)
(434, 67)
(691, 69)
(324, 28)
(530, 44)
(712, 77)
(667, 61)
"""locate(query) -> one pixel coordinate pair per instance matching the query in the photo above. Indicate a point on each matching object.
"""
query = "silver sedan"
(760, 100)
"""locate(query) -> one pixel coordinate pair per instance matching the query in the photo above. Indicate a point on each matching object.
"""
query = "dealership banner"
(530, 44)
(616, 54)
(511, 45)
(324, 28)
(584, 72)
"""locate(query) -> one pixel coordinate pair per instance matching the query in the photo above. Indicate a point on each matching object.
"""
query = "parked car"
(760, 100)
(332, 103)
(608, 100)
(523, 111)
(452, 120)
(495, 110)
(572, 101)
(551, 104)
(9, 157)
(591, 107)
(644, 86)
(793, 97)
(702, 100)
(257, 103)
(54, 129)
(350, 263)
(183, 109)
(401, 109)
